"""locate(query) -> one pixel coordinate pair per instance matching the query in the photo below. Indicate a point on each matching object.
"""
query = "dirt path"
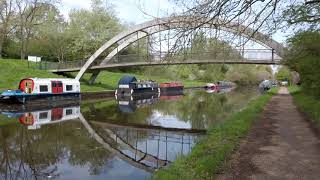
(281, 145)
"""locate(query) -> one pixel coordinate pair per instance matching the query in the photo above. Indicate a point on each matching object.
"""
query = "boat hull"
(171, 89)
(137, 91)
(38, 98)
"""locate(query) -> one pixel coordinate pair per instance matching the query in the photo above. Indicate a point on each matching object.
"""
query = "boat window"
(68, 112)
(54, 84)
(69, 87)
(43, 115)
(43, 88)
(59, 84)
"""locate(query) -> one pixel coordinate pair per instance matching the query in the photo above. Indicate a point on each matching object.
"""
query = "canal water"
(123, 138)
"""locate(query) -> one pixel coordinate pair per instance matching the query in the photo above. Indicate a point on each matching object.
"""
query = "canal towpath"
(281, 145)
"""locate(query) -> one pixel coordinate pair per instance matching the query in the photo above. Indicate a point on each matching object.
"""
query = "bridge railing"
(238, 55)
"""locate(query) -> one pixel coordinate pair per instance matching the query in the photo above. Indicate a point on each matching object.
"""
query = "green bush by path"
(306, 103)
(211, 152)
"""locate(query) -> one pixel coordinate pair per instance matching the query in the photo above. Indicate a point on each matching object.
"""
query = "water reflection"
(129, 104)
(105, 139)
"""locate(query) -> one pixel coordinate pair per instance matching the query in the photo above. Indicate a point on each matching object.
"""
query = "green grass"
(306, 103)
(12, 71)
(209, 155)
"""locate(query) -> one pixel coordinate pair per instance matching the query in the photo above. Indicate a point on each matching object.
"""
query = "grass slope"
(211, 152)
(12, 71)
(306, 103)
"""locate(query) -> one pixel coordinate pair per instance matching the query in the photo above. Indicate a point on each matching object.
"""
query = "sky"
(128, 11)
(138, 11)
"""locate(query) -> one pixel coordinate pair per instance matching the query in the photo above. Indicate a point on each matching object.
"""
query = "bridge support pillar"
(93, 77)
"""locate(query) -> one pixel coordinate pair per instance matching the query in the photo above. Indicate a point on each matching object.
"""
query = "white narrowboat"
(42, 88)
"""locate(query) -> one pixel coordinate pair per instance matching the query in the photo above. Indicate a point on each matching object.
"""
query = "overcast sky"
(130, 11)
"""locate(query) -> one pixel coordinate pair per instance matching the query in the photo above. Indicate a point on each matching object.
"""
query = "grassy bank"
(306, 103)
(211, 152)
(12, 71)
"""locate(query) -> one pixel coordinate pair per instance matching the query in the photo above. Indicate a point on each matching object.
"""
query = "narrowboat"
(171, 87)
(32, 89)
(129, 85)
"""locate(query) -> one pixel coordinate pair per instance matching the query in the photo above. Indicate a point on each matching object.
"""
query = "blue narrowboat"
(33, 89)
(129, 85)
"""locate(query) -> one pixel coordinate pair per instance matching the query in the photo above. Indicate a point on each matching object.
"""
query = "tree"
(283, 74)
(307, 14)
(30, 14)
(50, 39)
(303, 56)
(91, 28)
(6, 18)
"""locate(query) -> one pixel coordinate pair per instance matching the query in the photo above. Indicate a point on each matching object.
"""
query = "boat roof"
(127, 80)
(53, 79)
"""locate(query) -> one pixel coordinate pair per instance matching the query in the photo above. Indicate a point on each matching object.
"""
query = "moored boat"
(129, 85)
(171, 87)
(34, 89)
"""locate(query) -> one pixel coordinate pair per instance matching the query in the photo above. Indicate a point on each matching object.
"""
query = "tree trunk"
(22, 52)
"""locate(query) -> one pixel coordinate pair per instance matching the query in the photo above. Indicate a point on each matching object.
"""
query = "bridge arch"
(125, 38)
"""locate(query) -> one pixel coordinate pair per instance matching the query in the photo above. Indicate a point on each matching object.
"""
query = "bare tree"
(256, 15)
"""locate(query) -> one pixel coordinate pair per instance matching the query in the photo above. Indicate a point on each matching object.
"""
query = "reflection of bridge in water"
(142, 147)
(146, 147)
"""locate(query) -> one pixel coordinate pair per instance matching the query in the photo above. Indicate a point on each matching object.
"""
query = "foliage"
(89, 29)
(283, 74)
(209, 154)
(303, 56)
(248, 74)
(306, 103)
(36, 27)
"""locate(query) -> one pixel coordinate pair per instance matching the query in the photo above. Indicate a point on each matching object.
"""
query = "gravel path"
(281, 145)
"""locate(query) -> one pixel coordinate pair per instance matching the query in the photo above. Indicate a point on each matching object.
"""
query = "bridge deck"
(133, 64)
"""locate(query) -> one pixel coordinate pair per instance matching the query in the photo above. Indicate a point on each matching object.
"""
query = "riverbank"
(208, 156)
(307, 104)
(12, 71)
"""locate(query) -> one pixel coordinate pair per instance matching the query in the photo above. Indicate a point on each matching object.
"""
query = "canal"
(123, 138)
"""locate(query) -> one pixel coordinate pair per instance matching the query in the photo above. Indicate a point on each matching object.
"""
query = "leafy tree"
(30, 14)
(51, 39)
(89, 29)
(303, 56)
